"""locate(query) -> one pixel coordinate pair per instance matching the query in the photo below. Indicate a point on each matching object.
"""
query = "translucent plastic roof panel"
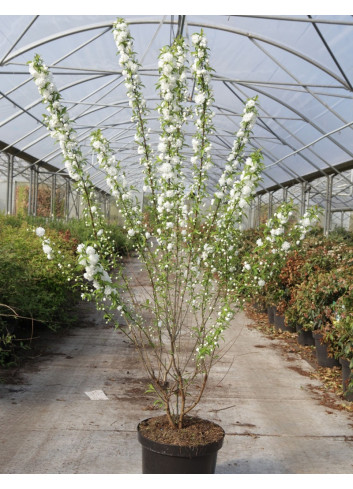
(299, 66)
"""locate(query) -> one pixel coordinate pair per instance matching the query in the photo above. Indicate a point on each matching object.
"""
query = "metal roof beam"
(309, 177)
(181, 22)
(55, 153)
(239, 32)
(38, 101)
(330, 52)
(148, 71)
(19, 38)
(293, 18)
(300, 114)
(315, 141)
(38, 128)
(30, 78)
(306, 88)
(288, 170)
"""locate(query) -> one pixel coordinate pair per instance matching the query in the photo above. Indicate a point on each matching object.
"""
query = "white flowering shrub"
(281, 235)
(185, 249)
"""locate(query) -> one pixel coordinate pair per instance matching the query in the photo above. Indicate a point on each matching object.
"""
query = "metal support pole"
(328, 204)
(285, 194)
(258, 210)
(76, 202)
(307, 200)
(8, 184)
(253, 214)
(53, 196)
(102, 199)
(302, 198)
(104, 204)
(9, 189)
(36, 193)
(34, 190)
(67, 196)
(270, 204)
(109, 201)
(30, 191)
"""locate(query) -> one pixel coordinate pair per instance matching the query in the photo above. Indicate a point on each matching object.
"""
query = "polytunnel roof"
(300, 67)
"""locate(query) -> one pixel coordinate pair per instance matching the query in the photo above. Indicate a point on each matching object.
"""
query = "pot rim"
(176, 450)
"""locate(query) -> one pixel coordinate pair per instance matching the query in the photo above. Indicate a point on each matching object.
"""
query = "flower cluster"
(133, 84)
(230, 213)
(61, 129)
(201, 145)
(46, 244)
(234, 192)
(211, 341)
(234, 159)
(172, 84)
(58, 121)
(275, 229)
(173, 113)
(280, 236)
(94, 271)
(277, 243)
(304, 225)
(243, 189)
(117, 183)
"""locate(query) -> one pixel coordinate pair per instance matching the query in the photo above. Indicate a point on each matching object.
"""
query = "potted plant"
(290, 276)
(298, 267)
(314, 280)
(183, 245)
(281, 235)
(342, 320)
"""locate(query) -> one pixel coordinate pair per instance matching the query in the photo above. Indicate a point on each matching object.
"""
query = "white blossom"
(285, 246)
(40, 231)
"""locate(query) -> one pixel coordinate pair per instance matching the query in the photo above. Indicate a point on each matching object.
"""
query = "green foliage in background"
(34, 287)
(75, 229)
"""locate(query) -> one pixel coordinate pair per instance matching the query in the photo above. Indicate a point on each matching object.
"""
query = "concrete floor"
(274, 422)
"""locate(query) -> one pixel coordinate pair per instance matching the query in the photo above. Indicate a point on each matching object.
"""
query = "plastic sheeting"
(300, 67)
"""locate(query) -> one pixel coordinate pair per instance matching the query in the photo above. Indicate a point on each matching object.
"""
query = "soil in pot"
(347, 374)
(321, 352)
(305, 338)
(190, 450)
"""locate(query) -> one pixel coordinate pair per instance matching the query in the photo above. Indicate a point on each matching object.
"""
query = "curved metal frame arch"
(222, 143)
(103, 25)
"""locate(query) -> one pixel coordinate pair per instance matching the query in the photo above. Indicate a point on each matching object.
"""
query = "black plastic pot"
(305, 338)
(271, 314)
(347, 374)
(280, 324)
(161, 458)
(321, 352)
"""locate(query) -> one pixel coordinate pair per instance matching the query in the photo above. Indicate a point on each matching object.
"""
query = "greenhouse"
(176, 235)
